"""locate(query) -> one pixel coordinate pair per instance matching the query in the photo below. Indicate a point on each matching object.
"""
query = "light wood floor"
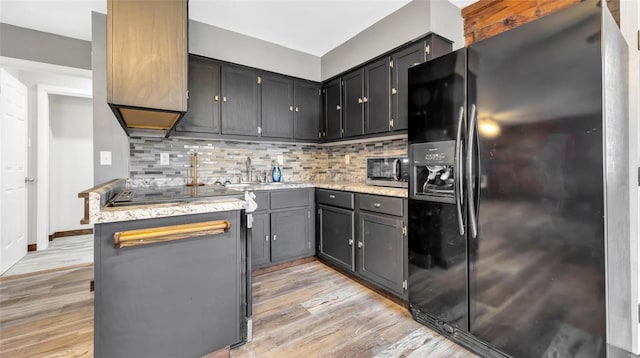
(62, 252)
(303, 311)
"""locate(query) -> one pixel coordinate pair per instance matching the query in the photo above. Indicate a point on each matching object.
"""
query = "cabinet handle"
(216, 98)
(274, 237)
(377, 205)
(350, 242)
(394, 91)
(365, 100)
(224, 99)
(266, 238)
(291, 108)
(359, 100)
(359, 244)
(332, 196)
(337, 107)
(296, 109)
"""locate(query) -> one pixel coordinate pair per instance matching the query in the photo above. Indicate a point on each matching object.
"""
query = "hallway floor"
(62, 252)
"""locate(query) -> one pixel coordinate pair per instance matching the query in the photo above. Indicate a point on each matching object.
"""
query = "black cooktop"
(168, 194)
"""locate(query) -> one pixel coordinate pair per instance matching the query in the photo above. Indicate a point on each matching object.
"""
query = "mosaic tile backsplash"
(226, 160)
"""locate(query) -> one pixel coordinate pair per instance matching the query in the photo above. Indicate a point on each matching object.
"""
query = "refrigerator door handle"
(458, 173)
(473, 225)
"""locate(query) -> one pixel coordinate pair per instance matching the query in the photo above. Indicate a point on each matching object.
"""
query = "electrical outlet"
(281, 159)
(105, 158)
(164, 158)
(347, 159)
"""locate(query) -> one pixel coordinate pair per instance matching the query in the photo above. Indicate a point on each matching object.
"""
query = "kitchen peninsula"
(176, 274)
(169, 277)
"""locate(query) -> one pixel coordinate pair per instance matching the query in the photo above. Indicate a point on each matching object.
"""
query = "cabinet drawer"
(281, 199)
(262, 199)
(342, 199)
(381, 204)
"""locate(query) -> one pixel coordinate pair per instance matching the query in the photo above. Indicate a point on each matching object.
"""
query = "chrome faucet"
(249, 170)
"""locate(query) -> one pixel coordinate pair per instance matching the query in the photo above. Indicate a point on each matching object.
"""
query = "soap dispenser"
(276, 173)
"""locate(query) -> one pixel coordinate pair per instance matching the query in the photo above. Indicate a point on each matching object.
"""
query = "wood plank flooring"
(62, 252)
(304, 311)
(313, 311)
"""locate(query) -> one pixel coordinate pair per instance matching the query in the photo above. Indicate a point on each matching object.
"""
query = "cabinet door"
(377, 96)
(337, 236)
(204, 97)
(260, 240)
(353, 104)
(306, 124)
(240, 101)
(381, 251)
(402, 60)
(290, 236)
(333, 109)
(276, 93)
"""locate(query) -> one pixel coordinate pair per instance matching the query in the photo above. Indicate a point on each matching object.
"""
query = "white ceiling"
(311, 26)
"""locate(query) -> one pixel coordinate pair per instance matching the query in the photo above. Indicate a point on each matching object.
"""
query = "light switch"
(164, 158)
(347, 159)
(281, 159)
(105, 158)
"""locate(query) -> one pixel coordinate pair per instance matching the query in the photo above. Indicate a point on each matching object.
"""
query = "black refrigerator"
(518, 191)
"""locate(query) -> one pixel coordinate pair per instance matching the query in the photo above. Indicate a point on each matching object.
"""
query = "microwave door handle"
(395, 169)
(473, 225)
(457, 175)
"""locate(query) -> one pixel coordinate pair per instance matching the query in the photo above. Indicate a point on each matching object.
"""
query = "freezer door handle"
(473, 225)
(457, 176)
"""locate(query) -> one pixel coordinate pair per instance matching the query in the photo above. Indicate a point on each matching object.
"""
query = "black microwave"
(388, 171)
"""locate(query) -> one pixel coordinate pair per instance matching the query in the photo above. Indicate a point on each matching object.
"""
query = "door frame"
(43, 156)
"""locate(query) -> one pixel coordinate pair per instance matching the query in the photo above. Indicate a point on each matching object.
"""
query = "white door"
(13, 164)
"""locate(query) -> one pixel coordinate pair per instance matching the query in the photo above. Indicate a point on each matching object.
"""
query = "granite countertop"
(363, 188)
(96, 212)
(113, 214)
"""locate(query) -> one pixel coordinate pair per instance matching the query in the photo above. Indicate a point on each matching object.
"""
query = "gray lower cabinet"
(182, 298)
(376, 248)
(289, 229)
(283, 228)
(336, 233)
(381, 250)
(261, 240)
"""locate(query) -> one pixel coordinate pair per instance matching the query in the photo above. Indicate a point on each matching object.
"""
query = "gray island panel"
(184, 298)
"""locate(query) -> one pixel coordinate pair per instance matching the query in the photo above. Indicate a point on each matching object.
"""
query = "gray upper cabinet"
(377, 96)
(204, 97)
(336, 235)
(290, 231)
(381, 251)
(276, 93)
(353, 103)
(401, 62)
(419, 52)
(332, 108)
(240, 101)
(260, 240)
(306, 110)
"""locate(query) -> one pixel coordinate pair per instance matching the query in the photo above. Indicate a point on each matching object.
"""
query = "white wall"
(71, 155)
(630, 25)
(221, 44)
(411, 21)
